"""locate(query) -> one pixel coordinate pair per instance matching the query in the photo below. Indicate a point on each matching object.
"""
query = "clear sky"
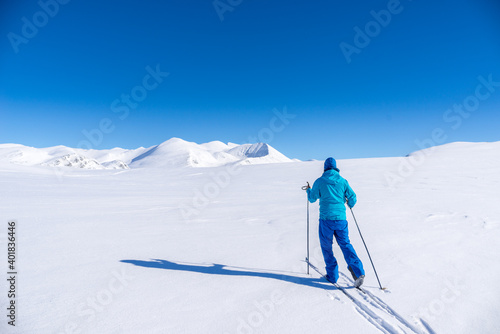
(362, 78)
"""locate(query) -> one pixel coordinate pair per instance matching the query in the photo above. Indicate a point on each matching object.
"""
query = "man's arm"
(350, 196)
(313, 193)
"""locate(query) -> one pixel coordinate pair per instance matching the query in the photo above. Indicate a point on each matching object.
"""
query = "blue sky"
(68, 77)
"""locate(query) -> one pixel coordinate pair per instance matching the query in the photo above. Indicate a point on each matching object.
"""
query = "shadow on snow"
(220, 269)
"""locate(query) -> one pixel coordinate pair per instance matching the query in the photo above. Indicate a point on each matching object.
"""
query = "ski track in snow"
(367, 305)
(426, 326)
(381, 305)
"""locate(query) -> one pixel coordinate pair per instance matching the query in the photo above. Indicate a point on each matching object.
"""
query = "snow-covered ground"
(221, 249)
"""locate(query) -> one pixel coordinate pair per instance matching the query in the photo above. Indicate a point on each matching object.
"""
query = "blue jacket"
(332, 190)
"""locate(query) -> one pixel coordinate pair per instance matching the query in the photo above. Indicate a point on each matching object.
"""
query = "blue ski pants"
(338, 228)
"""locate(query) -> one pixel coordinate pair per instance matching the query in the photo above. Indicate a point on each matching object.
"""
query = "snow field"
(109, 251)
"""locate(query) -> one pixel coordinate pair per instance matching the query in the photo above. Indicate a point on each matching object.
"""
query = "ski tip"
(360, 290)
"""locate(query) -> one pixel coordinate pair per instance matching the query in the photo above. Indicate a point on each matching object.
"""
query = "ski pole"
(307, 258)
(353, 216)
(307, 199)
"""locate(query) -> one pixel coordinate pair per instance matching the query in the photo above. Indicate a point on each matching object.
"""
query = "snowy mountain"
(74, 160)
(172, 153)
(179, 153)
(257, 153)
(62, 156)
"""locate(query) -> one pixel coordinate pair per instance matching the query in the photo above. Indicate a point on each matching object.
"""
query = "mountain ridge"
(173, 153)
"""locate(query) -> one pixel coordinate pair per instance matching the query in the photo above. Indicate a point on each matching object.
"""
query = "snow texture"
(221, 249)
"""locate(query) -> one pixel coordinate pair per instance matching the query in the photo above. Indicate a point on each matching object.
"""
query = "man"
(333, 191)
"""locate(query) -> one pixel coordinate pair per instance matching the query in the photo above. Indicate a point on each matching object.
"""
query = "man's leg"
(342, 236)
(326, 241)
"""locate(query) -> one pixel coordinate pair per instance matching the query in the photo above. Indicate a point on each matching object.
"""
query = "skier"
(333, 191)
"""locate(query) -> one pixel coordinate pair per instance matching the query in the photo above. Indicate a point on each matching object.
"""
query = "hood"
(331, 163)
(331, 176)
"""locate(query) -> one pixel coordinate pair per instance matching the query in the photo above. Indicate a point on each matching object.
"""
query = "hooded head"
(330, 163)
